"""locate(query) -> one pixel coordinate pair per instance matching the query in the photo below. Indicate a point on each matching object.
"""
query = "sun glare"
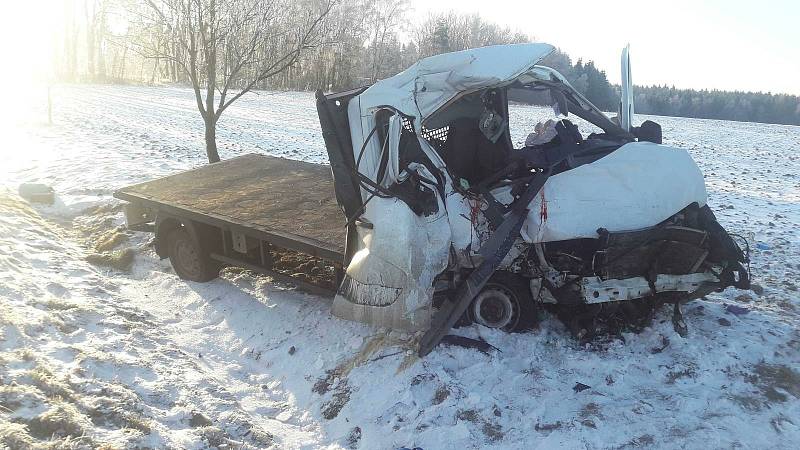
(28, 44)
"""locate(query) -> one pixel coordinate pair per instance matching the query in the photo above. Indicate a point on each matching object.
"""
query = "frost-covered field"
(134, 357)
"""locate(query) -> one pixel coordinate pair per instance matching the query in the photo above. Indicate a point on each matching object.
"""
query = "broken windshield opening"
(481, 134)
(533, 114)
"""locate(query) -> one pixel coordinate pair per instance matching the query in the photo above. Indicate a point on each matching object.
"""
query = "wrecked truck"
(442, 219)
(442, 204)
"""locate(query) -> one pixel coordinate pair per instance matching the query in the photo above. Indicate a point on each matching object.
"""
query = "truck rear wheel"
(505, 302)
(188, 259)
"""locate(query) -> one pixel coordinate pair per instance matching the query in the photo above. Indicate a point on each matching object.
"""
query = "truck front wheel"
(188, 258)
(505, 302)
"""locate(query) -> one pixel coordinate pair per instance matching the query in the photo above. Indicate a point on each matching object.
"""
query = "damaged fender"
(389, 281)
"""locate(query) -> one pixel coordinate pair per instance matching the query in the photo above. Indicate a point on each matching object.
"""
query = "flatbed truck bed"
(240, 210)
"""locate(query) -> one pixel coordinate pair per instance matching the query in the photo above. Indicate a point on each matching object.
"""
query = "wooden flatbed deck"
(290, 203)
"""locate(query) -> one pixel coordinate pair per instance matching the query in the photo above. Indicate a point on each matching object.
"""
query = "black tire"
(505, 302)
(188, 258)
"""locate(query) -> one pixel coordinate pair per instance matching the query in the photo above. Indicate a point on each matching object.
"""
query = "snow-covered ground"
(135, 357)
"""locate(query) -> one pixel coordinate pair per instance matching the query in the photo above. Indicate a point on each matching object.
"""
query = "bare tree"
(228, 47)
(452, 31)
(385, 17)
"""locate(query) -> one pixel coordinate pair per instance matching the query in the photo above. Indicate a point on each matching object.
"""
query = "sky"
(727, 45)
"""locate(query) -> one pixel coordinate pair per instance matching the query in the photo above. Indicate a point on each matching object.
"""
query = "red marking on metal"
(474, 211)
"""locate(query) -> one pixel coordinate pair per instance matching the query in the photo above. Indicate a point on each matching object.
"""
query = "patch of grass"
(442, 393)
(493, 431)
(490, 429)
(119, 259)
(775, 380)
(62, 419)
(215, 437)
(645, 440)
(260, 438)
(59, 305)
(747, 402)
(470, 415)
(118, 418)
(13, 396)
(14, 435)
(675, 375)
(340, 398)
(590, 410)
(64, 326)
(11, 202)
(109, 240)
(52, 387)
(354, 438)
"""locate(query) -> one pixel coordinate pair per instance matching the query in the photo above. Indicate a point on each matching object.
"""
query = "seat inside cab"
(478, 143)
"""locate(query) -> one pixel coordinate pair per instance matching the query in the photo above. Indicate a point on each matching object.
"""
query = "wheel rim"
(496, 307)
(188, 258)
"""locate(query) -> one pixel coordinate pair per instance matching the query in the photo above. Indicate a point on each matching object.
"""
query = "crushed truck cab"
(447, 220)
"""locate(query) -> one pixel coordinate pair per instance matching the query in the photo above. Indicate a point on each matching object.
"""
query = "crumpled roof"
(430, 83)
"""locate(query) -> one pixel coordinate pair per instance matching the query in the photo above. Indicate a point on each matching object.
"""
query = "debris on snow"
(580, 387)
(465, 342)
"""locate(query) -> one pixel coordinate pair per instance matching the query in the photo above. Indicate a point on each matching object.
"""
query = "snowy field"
(131, 356)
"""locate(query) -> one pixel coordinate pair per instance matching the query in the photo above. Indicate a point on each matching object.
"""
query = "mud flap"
(493, 251)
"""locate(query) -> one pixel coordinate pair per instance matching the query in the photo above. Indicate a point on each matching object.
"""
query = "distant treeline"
(359, 42)
(705, 104)
(669, 101)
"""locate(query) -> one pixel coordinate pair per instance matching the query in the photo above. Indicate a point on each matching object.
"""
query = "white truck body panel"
(429, 84)
(638, 185)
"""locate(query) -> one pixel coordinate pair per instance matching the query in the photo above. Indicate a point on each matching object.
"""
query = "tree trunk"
(211, 140)
(90, 24)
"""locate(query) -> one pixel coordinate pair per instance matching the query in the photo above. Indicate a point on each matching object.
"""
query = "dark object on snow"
(648, 131)
(762, 246)
(199, 420)
(547, 426)
(406, 448)
(292, 350)
(724, 322)
(461, 341)
(37, 193)
(580, 387)
(736, 310)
